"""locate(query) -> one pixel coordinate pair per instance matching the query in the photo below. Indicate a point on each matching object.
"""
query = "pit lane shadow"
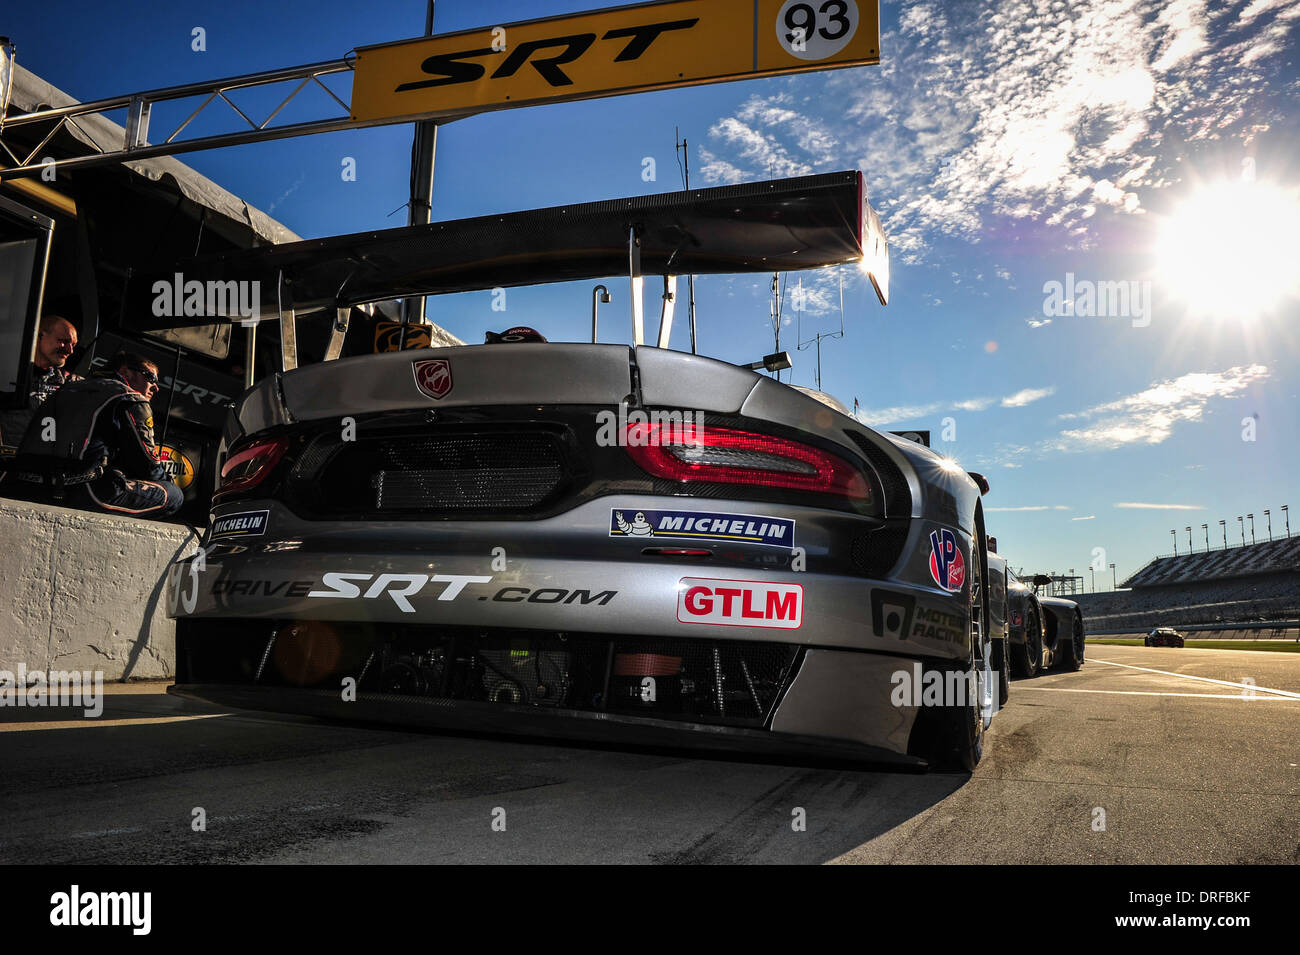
(295, 788)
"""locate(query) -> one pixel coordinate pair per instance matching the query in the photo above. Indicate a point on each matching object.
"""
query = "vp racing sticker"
(243, 524)
(703, 525)
(947, 566)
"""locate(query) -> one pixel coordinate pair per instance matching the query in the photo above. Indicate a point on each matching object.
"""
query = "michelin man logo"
(639, 527)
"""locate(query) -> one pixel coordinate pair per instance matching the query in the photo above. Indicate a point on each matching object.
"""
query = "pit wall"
(86, 591)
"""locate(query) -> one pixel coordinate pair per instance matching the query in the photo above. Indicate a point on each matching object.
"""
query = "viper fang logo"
(451, 68)
(433, 377)
(947, 566)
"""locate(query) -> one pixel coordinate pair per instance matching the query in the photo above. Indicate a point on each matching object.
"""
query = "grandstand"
(1273, 556)
(1257, 585)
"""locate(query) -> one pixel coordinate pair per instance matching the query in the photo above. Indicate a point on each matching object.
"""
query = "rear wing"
(806, 222)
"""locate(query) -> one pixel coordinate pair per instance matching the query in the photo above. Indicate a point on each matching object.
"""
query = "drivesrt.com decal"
(947, 566)
(739, 603)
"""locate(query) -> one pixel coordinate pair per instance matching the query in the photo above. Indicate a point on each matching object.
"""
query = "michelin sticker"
(702, 525)
(243, 524)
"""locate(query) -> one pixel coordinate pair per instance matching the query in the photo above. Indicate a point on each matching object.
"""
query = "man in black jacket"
(105, 424)
(55, 343)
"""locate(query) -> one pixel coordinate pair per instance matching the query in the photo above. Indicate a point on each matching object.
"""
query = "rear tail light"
(689, 452)
(249, 467)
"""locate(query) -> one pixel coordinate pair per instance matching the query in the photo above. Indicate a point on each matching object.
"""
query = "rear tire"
(1071, 647)
(962, 727)
(1027, 657)
(1002, 667)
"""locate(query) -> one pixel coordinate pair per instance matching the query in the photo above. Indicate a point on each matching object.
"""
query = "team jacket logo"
(449, 69)
(179, 468)
(433, 376)
(739, 603)
(947, 566)
(703, 525)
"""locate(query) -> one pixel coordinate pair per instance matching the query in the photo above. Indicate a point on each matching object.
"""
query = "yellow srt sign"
(606, 52)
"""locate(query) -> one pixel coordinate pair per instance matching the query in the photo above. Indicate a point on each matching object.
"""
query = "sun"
(1232, 250)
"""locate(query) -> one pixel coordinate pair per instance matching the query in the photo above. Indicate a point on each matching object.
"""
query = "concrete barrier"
(85, 591)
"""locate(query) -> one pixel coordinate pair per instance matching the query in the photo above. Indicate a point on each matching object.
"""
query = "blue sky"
(1007, 146)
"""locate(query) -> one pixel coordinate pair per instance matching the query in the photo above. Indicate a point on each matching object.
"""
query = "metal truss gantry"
(136, 143)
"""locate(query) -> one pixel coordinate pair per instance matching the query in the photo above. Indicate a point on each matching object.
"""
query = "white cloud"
(1022, 109)
(1036, 323)
(1027, 396)
(1136, 506)
(1090, 517)
(1149, 417)
(1030, 507)
(903, 413)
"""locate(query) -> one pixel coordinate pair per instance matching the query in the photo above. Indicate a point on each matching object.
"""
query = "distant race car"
(588, 540)
(1163, 637)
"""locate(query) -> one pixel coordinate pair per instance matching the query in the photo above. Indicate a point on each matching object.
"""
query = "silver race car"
(592, 541)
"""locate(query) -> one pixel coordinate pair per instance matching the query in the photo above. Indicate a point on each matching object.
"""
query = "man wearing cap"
(520, 333)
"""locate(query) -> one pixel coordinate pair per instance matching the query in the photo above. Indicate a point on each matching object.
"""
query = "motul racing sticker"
(739, 603)
(947, 566)
(433, 376)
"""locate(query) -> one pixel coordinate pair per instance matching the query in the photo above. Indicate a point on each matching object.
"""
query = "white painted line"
(1202, 679)
(1208, 696)
(104, 832)
(92, 722)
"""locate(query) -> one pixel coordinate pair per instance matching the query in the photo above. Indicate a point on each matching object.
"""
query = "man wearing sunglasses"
(96, 436)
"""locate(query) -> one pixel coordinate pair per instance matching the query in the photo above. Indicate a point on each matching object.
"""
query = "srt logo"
(404, 586)
(449, 68)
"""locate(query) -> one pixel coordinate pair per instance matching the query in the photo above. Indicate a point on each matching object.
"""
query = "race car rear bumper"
(743, 696)
(567, 725)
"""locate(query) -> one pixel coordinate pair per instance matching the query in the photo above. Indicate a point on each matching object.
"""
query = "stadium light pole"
(1206, 528)
(1114, 584)
(1241, 525)
(1189, 539)
(1174, 534)
(1224, 525)
(1270, 523)
(1092, 573)
(1251, 518)
(1287, 515)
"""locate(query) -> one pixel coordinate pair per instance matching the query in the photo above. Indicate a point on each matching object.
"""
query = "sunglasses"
(147, 375)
